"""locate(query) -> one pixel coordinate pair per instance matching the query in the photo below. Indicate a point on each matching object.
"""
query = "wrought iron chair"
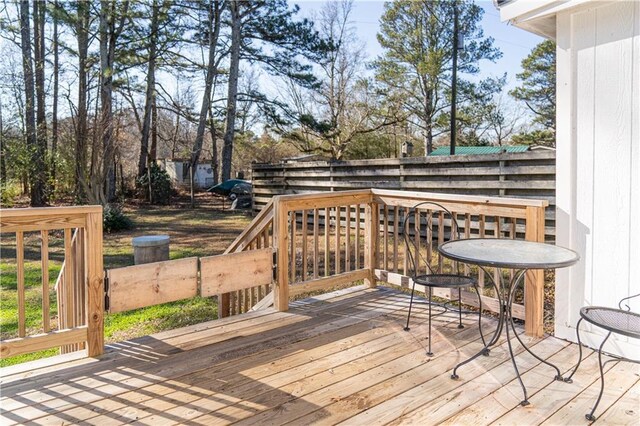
(431, 278)
(618, 321)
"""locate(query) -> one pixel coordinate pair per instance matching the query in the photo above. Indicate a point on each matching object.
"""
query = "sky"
(514, 43)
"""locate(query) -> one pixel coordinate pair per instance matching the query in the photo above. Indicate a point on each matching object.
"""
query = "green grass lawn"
(204, 231)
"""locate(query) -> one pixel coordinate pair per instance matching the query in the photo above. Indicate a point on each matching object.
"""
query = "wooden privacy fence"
(525, 175)
(79, 286)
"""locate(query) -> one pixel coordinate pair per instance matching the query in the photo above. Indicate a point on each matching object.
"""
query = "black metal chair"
(431, 278)
(618, 321)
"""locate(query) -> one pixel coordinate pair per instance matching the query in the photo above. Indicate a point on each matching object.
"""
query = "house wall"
(598, 163)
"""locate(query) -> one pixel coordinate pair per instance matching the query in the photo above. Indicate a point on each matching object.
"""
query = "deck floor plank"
(618, 380)
(114, 383)
(625, 411)
(337, 357)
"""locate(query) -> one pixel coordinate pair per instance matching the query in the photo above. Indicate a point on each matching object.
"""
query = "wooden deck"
(337, 358)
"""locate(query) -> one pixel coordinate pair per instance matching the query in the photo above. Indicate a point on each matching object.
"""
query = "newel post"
(534, 280)
(95, 284)
(281, 237)
(372, 229)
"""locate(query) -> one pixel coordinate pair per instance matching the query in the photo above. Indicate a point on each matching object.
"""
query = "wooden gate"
(139, 286)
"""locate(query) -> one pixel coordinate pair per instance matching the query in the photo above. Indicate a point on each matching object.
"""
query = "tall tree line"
(94, 92)
(114, 52)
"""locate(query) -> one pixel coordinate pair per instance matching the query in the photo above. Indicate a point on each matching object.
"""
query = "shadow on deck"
(339, 357)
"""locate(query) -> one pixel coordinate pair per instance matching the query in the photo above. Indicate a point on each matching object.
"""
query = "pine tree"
(538, 84)
(417, 38)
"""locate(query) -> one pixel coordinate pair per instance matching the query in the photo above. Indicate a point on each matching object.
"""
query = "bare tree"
(35, 178)
(40, 164)
(56, 84)
(112, 23)
(150, 95)
(344, 105)
(215, 13)
(82, 33)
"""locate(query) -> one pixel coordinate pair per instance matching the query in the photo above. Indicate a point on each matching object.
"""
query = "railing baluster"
(292, 247)
(416, 236)
(396, 224)
(440, 238)
(385, 238)
(44, 258)
(405, 260)
(481, 226)
(316, 232)
(357, 237)
(304, 245)
(347, 239)
(429, 235)
(337, 242)
(467, 234)
(497, 234)
(20, 285)
(453, 235)
(327, 236)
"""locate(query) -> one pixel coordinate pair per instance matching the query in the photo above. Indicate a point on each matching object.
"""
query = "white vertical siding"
(598, 162)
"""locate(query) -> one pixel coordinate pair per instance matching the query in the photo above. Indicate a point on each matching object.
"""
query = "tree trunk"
(151, 75)
(428, 117)
(82, 31)
(3, 161)
(30, 118)
(214, 147)
(54, 118)
(41, 115)
(232, 95)
(214, 30)
(153, 151)
(105, 186)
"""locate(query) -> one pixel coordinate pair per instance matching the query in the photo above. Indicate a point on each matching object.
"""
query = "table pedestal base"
(506, 321)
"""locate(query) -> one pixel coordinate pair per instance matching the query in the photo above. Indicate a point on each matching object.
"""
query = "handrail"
(257, 225)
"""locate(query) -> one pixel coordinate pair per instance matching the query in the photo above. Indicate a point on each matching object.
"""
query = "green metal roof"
(468, 150)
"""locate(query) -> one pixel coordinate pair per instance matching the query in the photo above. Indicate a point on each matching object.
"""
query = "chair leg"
(413, 289)
(460, 308)
(430, 295)
(568, 379)
(590, 416)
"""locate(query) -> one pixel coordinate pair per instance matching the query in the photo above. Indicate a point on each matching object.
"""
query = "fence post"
(281, 236)
(372, 229)
(95, 284)
(534, 280)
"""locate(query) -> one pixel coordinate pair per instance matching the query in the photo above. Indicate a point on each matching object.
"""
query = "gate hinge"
(106, 292)
(274, 266)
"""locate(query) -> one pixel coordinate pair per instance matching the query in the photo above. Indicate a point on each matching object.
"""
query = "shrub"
(160, 185)
(8, 193)
(114, 219)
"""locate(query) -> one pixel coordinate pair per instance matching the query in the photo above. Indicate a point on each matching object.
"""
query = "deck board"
(339, 357)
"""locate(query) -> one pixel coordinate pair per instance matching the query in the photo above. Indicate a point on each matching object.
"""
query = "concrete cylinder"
(150, 248)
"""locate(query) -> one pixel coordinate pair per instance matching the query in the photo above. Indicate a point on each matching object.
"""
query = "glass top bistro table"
(509, 254)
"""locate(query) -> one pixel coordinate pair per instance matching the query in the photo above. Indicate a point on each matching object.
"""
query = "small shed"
(178, 171)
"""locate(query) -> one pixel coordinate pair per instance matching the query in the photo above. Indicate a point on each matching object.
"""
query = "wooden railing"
(258, 235)
(70, 286)
(319, 241)
(80, 285)
(328, 239)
